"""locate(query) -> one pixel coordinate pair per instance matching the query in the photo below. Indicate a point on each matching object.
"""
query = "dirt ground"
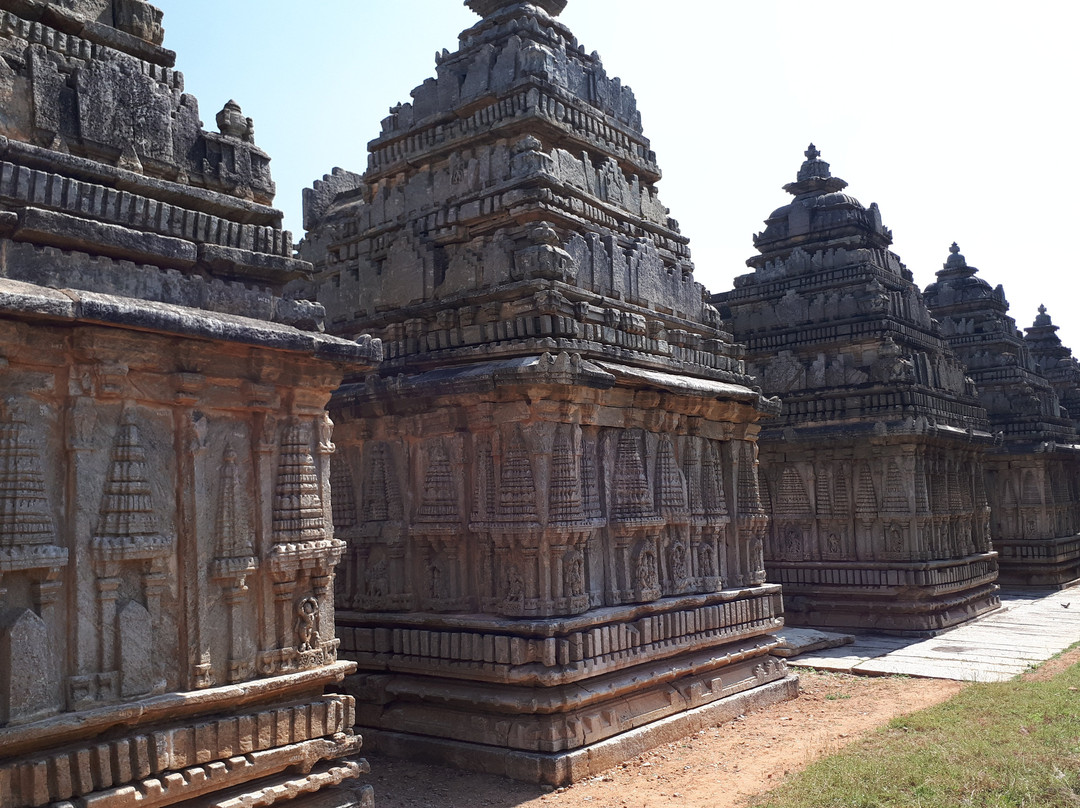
(717, 768)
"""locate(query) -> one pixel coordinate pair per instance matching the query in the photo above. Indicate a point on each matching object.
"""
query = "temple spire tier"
(814, 175)
(820, 210)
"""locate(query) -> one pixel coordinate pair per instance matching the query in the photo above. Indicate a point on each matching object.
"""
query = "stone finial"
(1043, 319)
(542, 233)
(955, 259)
(232, 123)
(814, 168)
(489, 8)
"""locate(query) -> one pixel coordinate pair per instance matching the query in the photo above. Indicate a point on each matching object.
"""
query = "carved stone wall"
(874, 469)
(166, 541)
(1032, 476)
(548, 532)
(554, 523)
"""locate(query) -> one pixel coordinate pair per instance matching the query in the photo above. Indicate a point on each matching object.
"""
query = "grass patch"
(1005, 745)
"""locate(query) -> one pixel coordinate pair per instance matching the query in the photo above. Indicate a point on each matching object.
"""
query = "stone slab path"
(1029, 628)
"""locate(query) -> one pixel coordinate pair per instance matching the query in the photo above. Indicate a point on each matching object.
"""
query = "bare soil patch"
(1049, 669)
(718, 768)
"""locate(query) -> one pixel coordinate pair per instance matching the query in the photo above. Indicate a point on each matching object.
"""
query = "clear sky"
(958, 117)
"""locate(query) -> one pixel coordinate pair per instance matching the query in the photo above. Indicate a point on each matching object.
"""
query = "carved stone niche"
(31, 566)
(441, 563)
(792, 530)
(302, 561)
(636, 526)
(234, 564)
(130, 552)
(369, 517)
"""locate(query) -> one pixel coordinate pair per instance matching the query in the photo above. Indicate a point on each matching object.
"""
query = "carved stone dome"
(820, 211)
(959, 283)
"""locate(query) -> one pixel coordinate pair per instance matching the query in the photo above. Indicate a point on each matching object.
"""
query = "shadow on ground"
(439, 787)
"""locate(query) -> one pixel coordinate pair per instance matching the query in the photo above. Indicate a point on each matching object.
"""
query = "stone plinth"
(874, 468)
(555, 525)
(1032, 475)
(559, 562)
(166, 545)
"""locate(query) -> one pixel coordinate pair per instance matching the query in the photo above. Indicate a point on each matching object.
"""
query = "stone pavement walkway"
(1029, 628)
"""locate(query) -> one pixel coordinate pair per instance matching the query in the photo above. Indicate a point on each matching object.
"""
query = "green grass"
(1007, 745)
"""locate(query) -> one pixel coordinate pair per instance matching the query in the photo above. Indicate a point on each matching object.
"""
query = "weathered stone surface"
(873, 471)
(796, 641)
(554, 528)
(1032, 476)
(166, 548)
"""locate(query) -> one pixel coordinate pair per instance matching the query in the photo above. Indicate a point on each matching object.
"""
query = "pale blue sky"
(958, 117)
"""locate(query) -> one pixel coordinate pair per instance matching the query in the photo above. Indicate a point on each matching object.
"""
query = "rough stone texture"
(873, 471)
(1031, 478)
(166, 545)
(554, 519)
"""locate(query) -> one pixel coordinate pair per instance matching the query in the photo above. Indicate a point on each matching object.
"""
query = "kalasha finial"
(232, 122)
(1043, 320)
(955, 259)
(814, 169)
(489, 8)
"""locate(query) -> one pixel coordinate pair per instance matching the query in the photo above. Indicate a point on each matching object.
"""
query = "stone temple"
(1032, 476)
(1056, 362)
(874, 470)
(167, 553)
(567, 485)
(550, 487)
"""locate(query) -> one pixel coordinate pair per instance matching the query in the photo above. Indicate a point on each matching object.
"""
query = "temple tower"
(557, 465)
(1056, 362)
(166, 553)
(1032, 475)
(873, 470)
